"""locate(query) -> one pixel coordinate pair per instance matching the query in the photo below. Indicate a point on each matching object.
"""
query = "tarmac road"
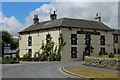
(37, 69)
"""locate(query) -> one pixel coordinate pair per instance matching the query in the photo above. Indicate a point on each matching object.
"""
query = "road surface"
(37, 69)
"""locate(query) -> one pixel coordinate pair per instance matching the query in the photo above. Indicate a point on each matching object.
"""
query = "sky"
(16, 16)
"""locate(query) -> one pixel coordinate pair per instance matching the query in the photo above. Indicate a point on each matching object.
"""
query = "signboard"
(88, 32)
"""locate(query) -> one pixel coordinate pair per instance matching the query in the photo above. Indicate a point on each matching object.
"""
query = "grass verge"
(92, 73)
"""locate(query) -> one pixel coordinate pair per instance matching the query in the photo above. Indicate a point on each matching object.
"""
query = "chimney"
(98, 17)
(35, 19)
(53, 16)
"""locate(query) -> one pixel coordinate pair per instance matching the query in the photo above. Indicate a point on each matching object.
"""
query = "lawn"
(92, 73)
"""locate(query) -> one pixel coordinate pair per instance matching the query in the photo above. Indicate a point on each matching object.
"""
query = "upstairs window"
(87, 39)
(48, 38)
(73, 52)
(102, 40)
(115, 38)
(73, 39)
(29, 41)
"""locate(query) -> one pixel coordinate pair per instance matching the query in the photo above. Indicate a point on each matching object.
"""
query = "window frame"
(87, 39)
(74, 52)
(73, 39)
(30, 41)
(102, 40)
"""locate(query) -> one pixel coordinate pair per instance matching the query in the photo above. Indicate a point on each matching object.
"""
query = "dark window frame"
(30, 41)
(73, 39)
(102, 40)
(102, 50)
(48, 36)
(115, 38)
(30, 53)
(74, 52)
(87, 39)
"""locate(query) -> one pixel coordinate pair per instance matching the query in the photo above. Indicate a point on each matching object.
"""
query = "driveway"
(37, 69)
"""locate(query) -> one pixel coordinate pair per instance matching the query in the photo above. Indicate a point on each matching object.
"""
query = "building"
(116, 44)
(80, 36)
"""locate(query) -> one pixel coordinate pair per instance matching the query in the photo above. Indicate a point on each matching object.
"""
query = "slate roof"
(68, 23)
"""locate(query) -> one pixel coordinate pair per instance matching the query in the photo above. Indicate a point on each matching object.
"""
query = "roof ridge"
(63, 19)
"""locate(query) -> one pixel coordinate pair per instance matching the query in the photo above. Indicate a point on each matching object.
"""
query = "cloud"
(81, 10)
(10, 24)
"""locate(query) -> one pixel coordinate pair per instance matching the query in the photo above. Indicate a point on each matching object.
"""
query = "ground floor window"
(115, 51)
(30, 53)
(73, 52)
(102, 51)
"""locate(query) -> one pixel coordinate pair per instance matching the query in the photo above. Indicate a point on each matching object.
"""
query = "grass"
(91, 73)
(104, 56)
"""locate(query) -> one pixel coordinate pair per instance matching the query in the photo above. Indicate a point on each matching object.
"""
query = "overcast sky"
(14, 17)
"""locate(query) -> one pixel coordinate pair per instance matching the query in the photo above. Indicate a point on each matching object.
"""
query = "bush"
(52, 57)
(26, 57)
(9, 61)
(58, 57)
(111, 55)
(43, 56)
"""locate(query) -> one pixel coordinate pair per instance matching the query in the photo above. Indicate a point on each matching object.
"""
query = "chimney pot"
(35, 19)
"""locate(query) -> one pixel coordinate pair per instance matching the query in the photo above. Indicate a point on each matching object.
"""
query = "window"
(48, 38)
(87, 39)
(29, 41)
(73, 52)
(102, 40)
(102, 51)
(73, 39)
(115, 38)
(115, 51)
(118, 51)
(30, 53)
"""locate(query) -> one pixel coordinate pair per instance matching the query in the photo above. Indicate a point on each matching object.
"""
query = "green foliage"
(52, 57)
(9, 61)
(60, 47)
(8, 38)
(58, 57)
(36, 56)
(111, 55)
(49, 52)
(26, 57)
(43, 56)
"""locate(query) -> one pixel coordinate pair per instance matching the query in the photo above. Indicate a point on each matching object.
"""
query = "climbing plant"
(60, 47)
(49, 51)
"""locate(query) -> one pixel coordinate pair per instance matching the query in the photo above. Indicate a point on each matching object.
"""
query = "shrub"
(58, 57)
(43, 56)
(9, 61)
(111, 55)
(26, 57)
(52, 57)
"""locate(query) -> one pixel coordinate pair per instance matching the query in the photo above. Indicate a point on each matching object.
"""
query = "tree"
(8, 38)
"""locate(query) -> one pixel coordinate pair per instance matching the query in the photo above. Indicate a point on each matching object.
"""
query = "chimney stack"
(35, 19)
(98, 17)
(53, 16)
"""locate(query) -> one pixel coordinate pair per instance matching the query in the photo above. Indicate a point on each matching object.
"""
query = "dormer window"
(29, 41)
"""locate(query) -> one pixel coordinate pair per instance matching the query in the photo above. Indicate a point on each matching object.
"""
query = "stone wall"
(110, 63)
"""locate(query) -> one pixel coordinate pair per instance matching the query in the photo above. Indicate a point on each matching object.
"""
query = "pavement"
(41, 69)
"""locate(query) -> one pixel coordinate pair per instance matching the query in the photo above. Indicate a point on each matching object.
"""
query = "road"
(37, 69)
